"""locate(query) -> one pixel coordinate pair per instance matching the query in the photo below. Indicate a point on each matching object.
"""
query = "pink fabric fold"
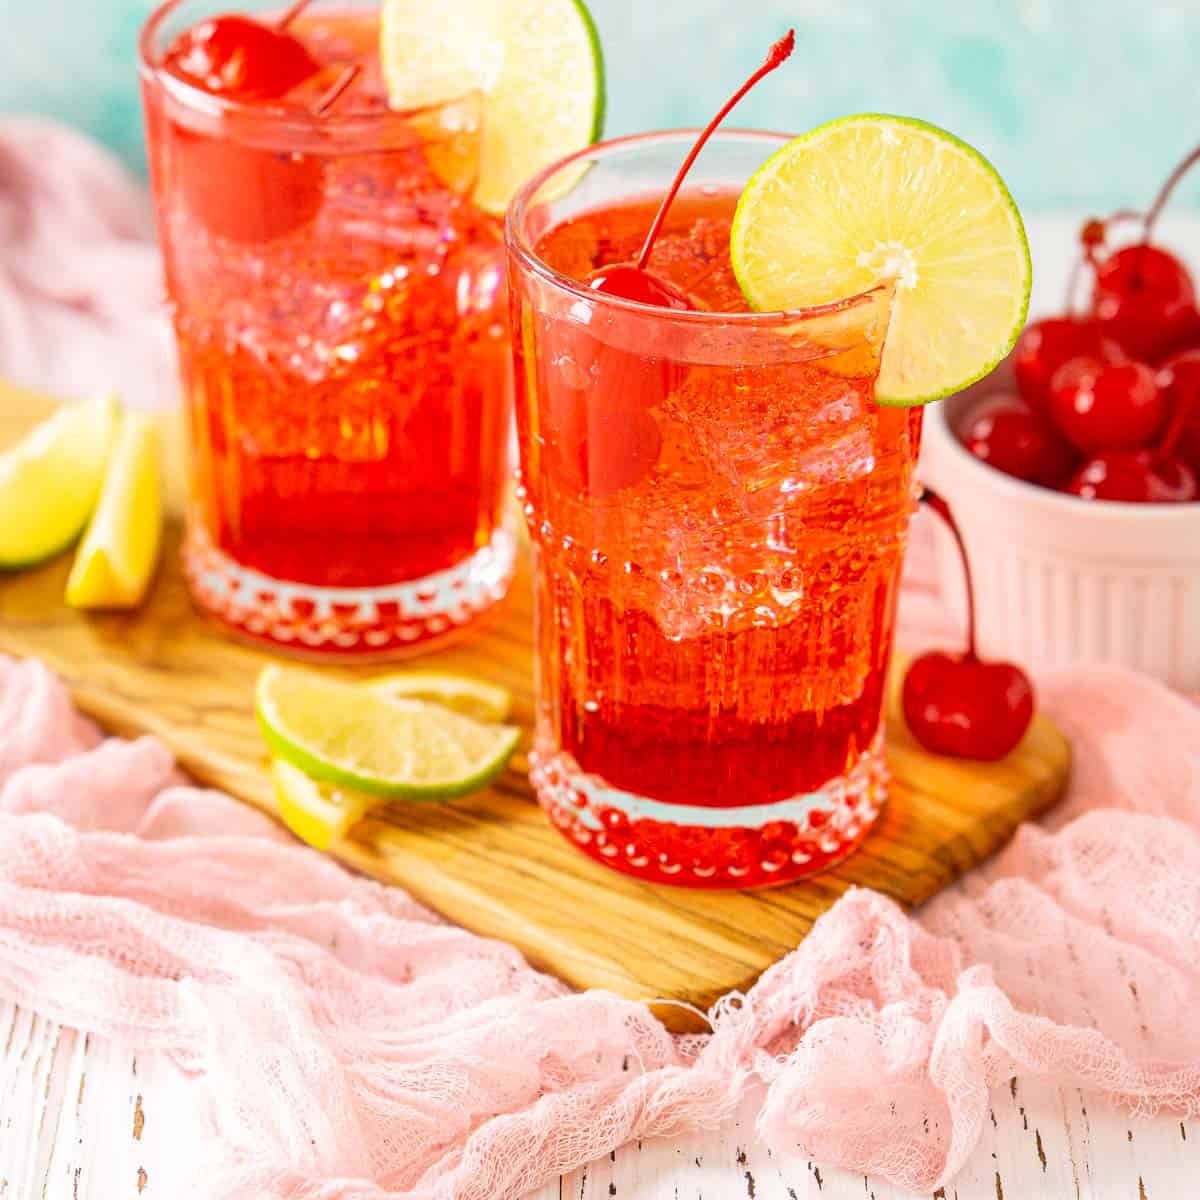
(351, 1045)
(81, 292)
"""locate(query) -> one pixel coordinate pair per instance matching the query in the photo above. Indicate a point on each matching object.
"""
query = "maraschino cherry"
(607, 439)
(1047, 345)
(1144, 297)
(1144, 300)
(1007, 433)
(1102, 406)
(961, 706)
(241, 58)
(1136, 477)
(241, 192)
(634, 280)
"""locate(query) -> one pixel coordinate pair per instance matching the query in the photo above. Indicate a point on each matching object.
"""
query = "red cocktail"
(339, 308)
(719, 509)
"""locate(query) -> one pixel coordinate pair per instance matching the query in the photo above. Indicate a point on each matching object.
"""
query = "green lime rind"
(301, 753)
(601, 97)
(749, 214)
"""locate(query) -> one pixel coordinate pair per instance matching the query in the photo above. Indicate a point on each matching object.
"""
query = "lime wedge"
(115, 561)
(872, 198)
(471, 697)
(352, 736)
(50, 480)
(314, 812)
(537, 64)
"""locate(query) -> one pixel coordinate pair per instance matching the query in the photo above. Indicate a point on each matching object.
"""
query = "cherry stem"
(938, 504)
(1164, 194)
(291, 14)
(1092, 236)
(337, 90)
(779, 54)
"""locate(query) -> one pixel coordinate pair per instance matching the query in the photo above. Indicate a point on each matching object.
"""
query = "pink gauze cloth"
(81, 292)
(349, 1044)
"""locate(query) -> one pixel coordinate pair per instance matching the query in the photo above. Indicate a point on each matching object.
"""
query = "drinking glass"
(340, 315)
(718, 509)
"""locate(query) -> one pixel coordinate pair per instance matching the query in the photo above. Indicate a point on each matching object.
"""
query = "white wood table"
(86, 1119)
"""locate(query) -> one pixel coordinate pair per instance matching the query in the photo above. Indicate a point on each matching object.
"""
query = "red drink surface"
(339, 308)
(720, 536)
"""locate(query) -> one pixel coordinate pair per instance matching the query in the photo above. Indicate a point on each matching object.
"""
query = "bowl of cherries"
(1074, 468)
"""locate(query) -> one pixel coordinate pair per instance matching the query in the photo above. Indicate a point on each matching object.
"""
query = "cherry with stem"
(633, 280)
(937, 503)
(610, 440)
(1143, 297)
(962, 706)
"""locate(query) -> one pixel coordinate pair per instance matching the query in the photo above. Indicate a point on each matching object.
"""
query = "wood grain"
(492, 862)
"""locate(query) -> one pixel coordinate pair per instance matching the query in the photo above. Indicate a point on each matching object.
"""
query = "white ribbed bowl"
(1060, 580)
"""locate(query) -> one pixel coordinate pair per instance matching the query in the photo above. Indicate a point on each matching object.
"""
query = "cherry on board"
(240, 58)
(1136, 477)
(1144, 300)
(964, 708)
(1179, 381)
(1101, 406)
(1007, 433)
(1046, 345)
(959, 705)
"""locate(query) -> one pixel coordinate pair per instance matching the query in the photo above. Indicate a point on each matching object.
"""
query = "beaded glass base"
(699, 846)
(388, 621)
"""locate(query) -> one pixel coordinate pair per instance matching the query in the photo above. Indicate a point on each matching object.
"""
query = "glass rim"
(280, 117)
(518, 243)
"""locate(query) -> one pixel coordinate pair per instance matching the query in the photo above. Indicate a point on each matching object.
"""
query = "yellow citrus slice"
(50, 481)
(314, 812)
(471, 697)
(115, 561)
(536, 63)
(872, 198)
(345, 734)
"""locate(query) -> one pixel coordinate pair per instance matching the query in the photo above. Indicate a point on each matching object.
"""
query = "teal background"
(1080, 103)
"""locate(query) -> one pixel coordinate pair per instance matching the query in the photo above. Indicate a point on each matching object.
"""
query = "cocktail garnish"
(962, 706)
(242, 59)
(634, 280)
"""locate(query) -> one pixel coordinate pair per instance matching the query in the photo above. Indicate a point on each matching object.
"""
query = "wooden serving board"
(492, 862)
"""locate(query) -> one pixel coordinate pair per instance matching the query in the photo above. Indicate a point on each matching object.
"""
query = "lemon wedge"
(115, 561)
(50, 481)
(316, 813)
